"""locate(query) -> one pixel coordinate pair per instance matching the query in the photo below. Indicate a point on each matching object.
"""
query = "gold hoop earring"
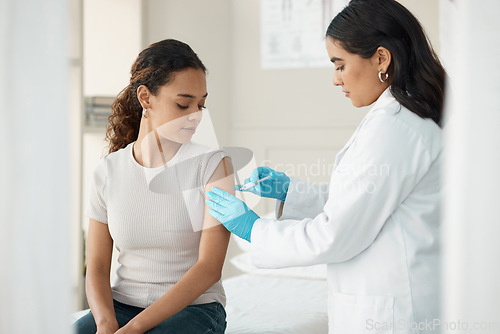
(380, 76)
(145, 113)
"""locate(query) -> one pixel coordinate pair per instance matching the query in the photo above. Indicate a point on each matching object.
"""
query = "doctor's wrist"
(251, 219)
(284, 192)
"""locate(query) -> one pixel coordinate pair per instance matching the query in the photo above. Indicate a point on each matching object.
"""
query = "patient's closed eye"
(185, 107)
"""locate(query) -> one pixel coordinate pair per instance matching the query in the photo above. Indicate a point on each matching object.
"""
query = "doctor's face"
(176, 108)
(357, 76)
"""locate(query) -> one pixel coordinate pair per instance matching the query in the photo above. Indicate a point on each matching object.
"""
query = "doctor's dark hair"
(154, 67)
(416, 75)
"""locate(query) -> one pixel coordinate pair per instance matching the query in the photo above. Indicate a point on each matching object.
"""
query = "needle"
(249, 185)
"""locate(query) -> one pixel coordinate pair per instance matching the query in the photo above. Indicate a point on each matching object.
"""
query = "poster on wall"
(293, 32)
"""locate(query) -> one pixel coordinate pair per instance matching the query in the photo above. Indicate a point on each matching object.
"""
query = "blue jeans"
(195, 319)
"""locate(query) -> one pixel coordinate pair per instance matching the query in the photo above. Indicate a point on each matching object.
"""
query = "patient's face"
(177, 105)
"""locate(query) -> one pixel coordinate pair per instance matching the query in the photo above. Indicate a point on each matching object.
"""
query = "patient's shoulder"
(196, 149)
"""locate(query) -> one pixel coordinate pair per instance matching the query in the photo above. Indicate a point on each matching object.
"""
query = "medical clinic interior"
(282, 108)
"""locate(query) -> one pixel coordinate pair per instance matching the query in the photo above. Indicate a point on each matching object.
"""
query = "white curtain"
(34, 174)
(471, 281)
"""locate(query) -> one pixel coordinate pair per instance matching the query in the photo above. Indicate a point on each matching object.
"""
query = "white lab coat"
(376, 226)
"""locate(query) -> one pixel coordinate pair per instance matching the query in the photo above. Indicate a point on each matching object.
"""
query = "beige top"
(155, 217)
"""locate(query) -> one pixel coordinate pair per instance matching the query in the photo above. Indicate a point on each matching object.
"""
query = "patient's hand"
(107, 329)
(127, 330)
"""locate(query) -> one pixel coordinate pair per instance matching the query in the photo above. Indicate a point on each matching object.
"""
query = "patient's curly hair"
(154, 68)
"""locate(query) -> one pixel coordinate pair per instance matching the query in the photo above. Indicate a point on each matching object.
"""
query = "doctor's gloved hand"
(274, 187)
(232, 212)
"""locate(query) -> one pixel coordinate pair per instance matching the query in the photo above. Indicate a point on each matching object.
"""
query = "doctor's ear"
(383, 58)
(144, 96)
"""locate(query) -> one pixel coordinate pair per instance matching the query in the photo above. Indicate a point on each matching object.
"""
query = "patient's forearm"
(193, 284)
(100, 298)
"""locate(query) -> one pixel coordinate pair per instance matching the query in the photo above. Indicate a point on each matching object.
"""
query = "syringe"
(249, 185)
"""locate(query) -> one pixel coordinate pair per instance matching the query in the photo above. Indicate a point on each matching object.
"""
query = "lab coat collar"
(387, 102)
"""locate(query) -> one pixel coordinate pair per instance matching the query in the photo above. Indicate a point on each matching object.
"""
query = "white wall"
(35, 167)
(112, 33)
(471, 46)
(75, 110)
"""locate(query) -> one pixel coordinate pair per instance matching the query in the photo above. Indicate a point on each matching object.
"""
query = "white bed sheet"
(264, 305)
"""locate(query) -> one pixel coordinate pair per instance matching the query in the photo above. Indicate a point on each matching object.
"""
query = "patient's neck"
(151, 150)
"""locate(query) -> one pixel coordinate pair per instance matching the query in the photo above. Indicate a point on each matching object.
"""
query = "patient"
(148, 199)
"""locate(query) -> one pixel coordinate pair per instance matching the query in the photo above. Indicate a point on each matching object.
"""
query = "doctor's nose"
(337, 79)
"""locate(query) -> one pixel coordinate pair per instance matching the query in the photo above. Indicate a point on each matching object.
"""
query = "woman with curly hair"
(148, 199)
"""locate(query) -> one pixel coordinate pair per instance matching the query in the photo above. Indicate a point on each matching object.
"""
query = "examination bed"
(265, 301)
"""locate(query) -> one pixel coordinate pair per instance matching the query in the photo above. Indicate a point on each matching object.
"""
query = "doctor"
(376, 225)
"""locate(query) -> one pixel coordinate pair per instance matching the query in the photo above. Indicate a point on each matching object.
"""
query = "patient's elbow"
(211, 273)
(215, 276)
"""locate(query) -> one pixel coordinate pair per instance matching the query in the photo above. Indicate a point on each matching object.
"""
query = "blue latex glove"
(232, 212)
(275, 187)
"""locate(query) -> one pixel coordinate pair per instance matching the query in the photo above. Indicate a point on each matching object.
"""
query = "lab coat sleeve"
(303, 200)
(376, 174)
